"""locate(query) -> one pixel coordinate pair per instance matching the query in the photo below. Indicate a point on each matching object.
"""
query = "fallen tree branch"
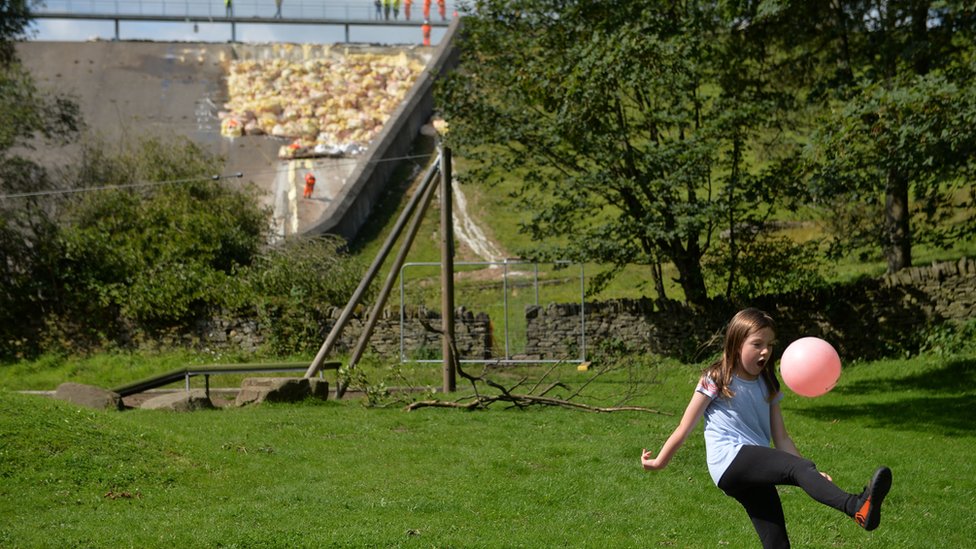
(480, 400)
(520, 400)
(443, 404)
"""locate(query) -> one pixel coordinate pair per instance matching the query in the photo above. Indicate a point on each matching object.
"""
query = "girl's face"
(755, 353)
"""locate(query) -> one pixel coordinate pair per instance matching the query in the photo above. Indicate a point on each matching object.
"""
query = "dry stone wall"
(866, 319)
(471, 331)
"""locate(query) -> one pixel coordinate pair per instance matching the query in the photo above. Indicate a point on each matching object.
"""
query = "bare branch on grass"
(524, 401)
(520, 400)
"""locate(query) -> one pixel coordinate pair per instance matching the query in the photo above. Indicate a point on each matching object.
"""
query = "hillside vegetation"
(686, 138)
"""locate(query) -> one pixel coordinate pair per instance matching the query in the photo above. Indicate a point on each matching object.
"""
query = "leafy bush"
(30, 118)
(153, 245)
(949, 339)
(294, 286)
(765, 264)
(165, 254)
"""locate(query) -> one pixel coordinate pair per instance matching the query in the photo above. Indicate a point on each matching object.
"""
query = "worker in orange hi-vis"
(406, 8)
(426, 30)
(309, 185)
(426, 10)
(442, 10)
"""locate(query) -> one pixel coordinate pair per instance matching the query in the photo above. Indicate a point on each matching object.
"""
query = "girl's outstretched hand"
(649, 462)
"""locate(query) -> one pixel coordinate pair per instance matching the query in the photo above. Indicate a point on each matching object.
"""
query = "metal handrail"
(208, 370)
(241, 9)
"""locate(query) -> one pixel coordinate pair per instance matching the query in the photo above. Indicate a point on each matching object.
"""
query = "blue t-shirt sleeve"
(707, 387)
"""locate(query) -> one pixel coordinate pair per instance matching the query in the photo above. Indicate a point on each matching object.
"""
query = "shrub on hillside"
(165, 254)
(295, 286)
(32, 119)
(151, 246)
(155, 248)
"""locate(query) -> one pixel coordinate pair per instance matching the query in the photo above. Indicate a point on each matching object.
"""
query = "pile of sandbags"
(328, 105)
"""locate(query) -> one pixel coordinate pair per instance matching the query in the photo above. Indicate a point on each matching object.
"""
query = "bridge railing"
(184, 374)
(302, 9)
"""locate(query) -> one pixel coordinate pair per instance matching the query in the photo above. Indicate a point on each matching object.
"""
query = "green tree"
(895, 145)
(295, 284)
(913, 144)
(14, 19)
(640, 131)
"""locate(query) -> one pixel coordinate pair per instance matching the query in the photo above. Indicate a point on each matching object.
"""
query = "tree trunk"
(920, 37)
(897, 230)
(657, 274)
(690, 277)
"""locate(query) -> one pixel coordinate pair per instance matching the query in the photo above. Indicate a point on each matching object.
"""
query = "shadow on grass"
(948, 416)
(944, 406)
(955, 376)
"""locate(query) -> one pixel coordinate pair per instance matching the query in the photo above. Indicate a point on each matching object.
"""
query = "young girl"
(739, 396)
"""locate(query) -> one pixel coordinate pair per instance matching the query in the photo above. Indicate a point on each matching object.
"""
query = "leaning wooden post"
(371, 273)
(392, 275)
(447, 272)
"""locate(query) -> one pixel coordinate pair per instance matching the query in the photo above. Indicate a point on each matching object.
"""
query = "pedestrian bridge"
(363, 13)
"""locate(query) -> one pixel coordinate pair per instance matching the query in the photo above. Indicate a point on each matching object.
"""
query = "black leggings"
(752, 478)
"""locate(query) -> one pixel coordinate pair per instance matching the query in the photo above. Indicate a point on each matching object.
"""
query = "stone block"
(180, 401)
(255, 390)
(318, 388)
(89, 396)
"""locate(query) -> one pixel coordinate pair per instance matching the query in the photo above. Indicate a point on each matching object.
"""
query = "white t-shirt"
(731, 423)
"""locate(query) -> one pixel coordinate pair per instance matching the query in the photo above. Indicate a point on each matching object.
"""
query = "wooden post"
(392, 276)
(371, 273)
(447, 271)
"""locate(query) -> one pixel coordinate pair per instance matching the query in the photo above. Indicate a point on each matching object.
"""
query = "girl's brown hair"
(745, 323)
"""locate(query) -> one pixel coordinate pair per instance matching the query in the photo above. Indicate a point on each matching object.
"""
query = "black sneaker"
(868, 514)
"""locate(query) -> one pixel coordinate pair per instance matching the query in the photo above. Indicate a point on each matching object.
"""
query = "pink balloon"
(810, 366)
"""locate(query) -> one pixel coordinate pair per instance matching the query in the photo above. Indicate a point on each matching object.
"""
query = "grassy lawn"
(337, 474)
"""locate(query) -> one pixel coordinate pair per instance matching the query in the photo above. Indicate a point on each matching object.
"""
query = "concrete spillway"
(127, 90)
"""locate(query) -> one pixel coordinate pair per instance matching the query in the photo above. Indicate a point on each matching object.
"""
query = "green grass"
(336, 474)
